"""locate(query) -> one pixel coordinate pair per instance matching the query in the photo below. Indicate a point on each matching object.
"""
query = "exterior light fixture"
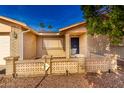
(15, 35)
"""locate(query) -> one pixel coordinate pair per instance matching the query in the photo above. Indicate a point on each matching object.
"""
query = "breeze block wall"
(103, 64)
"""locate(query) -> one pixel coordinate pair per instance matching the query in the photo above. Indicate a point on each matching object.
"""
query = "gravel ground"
(29, 82)
(72, 81)
(90, 80)
(107, 80)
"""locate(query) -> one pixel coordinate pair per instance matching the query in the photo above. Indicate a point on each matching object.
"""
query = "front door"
(74, 45)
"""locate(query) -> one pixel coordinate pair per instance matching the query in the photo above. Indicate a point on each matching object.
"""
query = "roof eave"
(74, 25)
(13, 21)
(49, 34)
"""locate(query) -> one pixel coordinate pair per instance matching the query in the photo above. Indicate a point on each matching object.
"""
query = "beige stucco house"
(17, 39)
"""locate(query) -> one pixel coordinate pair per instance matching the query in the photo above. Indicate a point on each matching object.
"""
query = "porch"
(68, 43)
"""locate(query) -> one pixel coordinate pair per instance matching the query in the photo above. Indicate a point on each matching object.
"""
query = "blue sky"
(56, 15)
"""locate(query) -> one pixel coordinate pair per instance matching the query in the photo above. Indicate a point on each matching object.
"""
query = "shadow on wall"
(44, 51)
(98, 44)
(53, 49)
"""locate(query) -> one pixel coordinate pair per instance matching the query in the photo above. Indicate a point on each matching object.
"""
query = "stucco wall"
(99, 45)
(76, 30)
(29, 43)
(81, 32)
(39, 46)
(14, 41)
(119, 50)
(4, 26)
(83, 44)
(51, 49)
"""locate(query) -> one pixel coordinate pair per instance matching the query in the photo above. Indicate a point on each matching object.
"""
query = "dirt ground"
(90, 80)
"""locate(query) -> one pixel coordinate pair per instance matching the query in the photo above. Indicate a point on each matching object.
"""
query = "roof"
(73, 25)
(49, 33)
(18, 23)
(13, 21)
(43, 32)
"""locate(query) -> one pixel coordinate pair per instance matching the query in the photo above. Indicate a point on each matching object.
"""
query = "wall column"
(10, 65)
(83, 44)
(14, 41)
(21, 46)
(67, 45)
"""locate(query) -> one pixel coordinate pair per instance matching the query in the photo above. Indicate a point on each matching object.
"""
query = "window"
(53, 43)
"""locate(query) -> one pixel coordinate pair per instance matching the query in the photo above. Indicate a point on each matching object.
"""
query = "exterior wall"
(99, 45)
(29, 44)
(44, 49)
(34, 45)
(119, 50)
(78, 32)
(83, 44)
(4, 27)
(14, 41)
(67, 45)
(39, 46)
(12, 29)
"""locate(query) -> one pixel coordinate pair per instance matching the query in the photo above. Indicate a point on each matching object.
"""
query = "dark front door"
(75, 45)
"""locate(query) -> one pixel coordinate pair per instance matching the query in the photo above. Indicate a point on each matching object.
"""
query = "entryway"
(74, 45)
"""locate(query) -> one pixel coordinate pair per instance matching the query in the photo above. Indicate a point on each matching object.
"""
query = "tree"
(50, 26)
(42, 25)
(105, 20)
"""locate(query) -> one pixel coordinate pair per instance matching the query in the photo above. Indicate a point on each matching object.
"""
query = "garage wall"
(5, 30)
(4, 47)
(29, 43)
(4, 27)
(8, 27)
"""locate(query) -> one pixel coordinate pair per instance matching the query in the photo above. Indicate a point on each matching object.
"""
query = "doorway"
(75, 45)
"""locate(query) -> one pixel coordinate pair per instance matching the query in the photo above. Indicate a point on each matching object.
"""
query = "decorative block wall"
(103, 64)
(30, 67)
(72, 65)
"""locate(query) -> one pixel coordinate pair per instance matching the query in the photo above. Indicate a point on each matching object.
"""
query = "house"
(17, 39)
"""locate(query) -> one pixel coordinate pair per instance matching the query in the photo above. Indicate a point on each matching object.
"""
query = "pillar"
(10, 65)
(83, 44)
(67, 45)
